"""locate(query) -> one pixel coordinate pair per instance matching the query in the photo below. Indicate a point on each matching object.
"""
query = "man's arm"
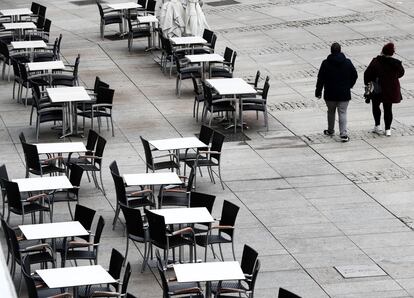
(321, 81)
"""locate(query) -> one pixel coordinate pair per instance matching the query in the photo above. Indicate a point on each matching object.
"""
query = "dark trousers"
(376, 111)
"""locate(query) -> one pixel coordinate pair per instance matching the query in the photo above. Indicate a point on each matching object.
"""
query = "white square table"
(153, 22)
(205, 59)
(45, 66)
(124, 7)
(43, 183)
(208, 272)
(151, 179)
(185, 215)
(19, 27)
(60, 147)
(67, 96)
(187, 40)
(235, 87)
(75, 277)
(15, 13)
(29, 44)
(177, 143)
(53, 230)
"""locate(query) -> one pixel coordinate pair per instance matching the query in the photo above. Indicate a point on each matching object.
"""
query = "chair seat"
(88, 114)
(166, 165)
(40, 257)
(174, 199)
(63, 196)
(254, 107)
(47, 169)
(175, 241)
(201, 163)
(80, 254)
(139, 202)
(29, 208)
(228, 285)
(87, 291)
(89, 167)
(46, 292)
(50, 115)
(140, 32)
(112, 19)
(212, 239)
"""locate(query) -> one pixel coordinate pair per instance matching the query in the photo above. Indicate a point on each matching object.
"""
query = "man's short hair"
(335, 48)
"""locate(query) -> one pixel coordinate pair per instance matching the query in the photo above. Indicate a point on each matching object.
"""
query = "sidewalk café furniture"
(101, 108)
(124, 9)
(235, 87)
(138, 30)
(205, 59)
(6, 56)
(152, 21)
(93, 163)
(115, 267)
(188, 41)
(90, 146)
(177, 195)
(41, 32)
(202, 200)
(19, 28)
(227, 66)
(108, 17)
(198, 97)
(223, 232)
(165, 239)
(258, 104)
(3, 177)
(208, 272)
(210, 158)
(40, 253)
(137, 199)
(29, 46)
(30, 81)
(183, 216)
(283, 293)
(184, 72)
(51, 53)
(67, 76)
(40, 167)
(160, 165)
(136, 231)
(74, 250)
(75, 277)
(36, 290)
(209, 47)
(47, 183)
(15, 13)
(250, 266)
(171, 288)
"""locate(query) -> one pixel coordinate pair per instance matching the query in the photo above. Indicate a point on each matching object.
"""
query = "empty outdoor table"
(124, 7)
(174, 216)
(45, 66)
(15, 13)
(205, 59)
(19, 27)
(53, 230)
(43, 183)
(177, 143)
(60, 147)
(29, 46)
(67, 96)
(75, 277)
(232, 86)
(187, 40)
(151, 179)
(153, 21)
(208, 272)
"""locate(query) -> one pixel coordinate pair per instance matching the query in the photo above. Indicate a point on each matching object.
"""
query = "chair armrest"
(164, 155)
(139, 192)
(230, 290)
(35, 198)
(175, 190)
(54, 158)
(73, 244)
(40, 246)
(105, 294)
(183, 231)
(193, 290)
(218, 227)
(89, 156)
(209, 152)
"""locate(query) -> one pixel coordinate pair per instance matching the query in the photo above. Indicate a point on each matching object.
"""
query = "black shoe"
(328, 133)
(344, 139)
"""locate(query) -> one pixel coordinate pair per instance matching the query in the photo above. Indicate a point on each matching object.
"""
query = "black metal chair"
(71, 194)
(102, 108)
(73, 248)
(51, 53)
(258, 104)
(177, 195)
(136, 232)
(94, 162)
(42, 32)
(198, 200)
(210, 158)
(138, 30)
(108, 17)
(68, 76)
(136, 199)
(283, 293)
(209, 47)
(3, 176)
(161, 165)
(124, 286)
(164, 239)
(185, 71)
(225, 230)
(6, 56)
(22, 206)
(115, 267)
(29, 80)
(227, 66)
(39, 167)
(250, 266)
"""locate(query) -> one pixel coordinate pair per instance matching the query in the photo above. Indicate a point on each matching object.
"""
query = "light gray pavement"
(308, 202)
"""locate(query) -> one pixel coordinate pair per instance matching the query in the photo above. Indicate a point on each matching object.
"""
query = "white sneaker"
(388, 132)
(377, 129)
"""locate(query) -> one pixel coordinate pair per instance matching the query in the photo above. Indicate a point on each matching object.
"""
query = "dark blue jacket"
(336, 76)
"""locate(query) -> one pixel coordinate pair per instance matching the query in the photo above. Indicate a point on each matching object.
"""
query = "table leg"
(208, 289)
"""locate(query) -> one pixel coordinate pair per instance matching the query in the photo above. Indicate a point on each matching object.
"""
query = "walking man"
(337, 75)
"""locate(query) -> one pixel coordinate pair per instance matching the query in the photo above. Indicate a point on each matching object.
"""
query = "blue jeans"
(341, 106)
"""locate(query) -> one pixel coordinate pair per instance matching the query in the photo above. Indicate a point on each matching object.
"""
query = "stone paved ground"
(308, 202)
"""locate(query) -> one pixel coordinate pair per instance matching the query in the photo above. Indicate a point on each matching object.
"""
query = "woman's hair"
(335, 48)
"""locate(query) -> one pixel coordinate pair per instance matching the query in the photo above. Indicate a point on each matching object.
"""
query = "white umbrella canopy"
(172, 17)
(195, 20)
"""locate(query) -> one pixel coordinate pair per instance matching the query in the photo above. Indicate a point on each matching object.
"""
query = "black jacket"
(337, 76)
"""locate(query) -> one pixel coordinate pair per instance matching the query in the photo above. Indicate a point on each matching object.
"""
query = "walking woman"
(384, 71)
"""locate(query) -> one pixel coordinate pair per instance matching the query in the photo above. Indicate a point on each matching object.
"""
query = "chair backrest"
(150, 8)
(265, 90)
(119, 189)
(208, 97)
(248, 261)
(84, 215)
(216, 145)
(92, 140)
(75, 177)
(228, 53)
(190, 180)
(59, 44)
(16, 68)
(42, 11)
(105, 96)
(113, 167)
(40, 22)
(207, 35)
(3, 176)
(23, 72)
(148, 153)
(143, 3)
(101, 12)
(125, 280)
(32, 157)
(256, 79)
(133, 221)
(213, 41)
(98, 83)
(199, 199)
(35, 95)
(228, 216)
(206, 133)
(195, 85)
(115, 264)
(5, 229)
(283, 293)
(98, 231)
(47, 25)
(4, 50)
(76, 67)
(22, 138)
(35, 8)
(14, 244)
(157, 230)
(30, 284)
(233, 60)
(100, 147)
